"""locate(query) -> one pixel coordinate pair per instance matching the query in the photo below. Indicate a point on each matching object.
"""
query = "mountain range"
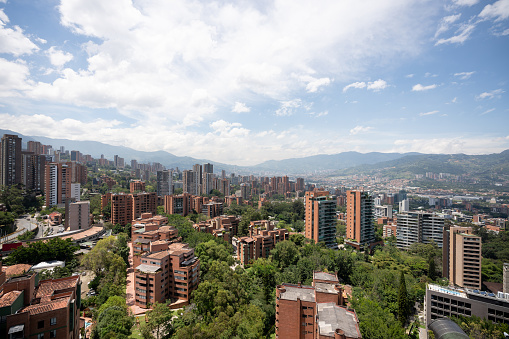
(341, 163)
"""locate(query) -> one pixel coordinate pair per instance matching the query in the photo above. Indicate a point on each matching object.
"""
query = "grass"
(136, 333)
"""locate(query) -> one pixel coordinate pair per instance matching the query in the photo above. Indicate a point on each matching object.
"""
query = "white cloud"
(14, 78)
(419, 87)
(315, 84)
(445, 23)
(428, 113)
(490, 95)
(409, 75)
(374, 85)
(240, 107)
(377, 85)
(460, 144)
(354, 85)
(488, 111)
(498, 10)
(57, 57)
(462, 35)
(320, 114)
(464, 75)
(465, 2)
(360, 129)
(288, 107)
(13, 40)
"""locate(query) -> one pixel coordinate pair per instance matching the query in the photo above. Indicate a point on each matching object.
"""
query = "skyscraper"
(360, 230)
(57, 183)
(320, 218)
(10, 160)
(419, 227)
(164, 183)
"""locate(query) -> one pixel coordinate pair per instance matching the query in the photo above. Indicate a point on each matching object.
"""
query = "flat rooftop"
(332, 317)
(325, 288)
(304, 293)
(325, 276)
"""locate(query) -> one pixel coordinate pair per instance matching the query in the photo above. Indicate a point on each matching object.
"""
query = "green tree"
(285, 254)
(114, 322)
(432, 274)
(159, 319)
(211, 251)
(402, 300)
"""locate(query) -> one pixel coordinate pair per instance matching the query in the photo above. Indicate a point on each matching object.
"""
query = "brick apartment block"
(224, 227)
(128, 207)
(30, 308)
(262, 238)
(164, 267)
(315, 312)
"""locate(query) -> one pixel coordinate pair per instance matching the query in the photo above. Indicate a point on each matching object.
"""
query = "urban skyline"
(276, 79)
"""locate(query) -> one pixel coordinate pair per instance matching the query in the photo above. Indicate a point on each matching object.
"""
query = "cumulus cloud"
(490, 95)
(13, 40)
(14, 78)
(57, 57)
(460, 144)
(420, 88)
(320, 114)
(428, 113)
(315, 84)
(360, 129)
(498, 10)
(240, 107)
(288, 107)
(464, 75)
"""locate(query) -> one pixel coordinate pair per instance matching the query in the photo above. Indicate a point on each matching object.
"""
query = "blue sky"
(242, 82)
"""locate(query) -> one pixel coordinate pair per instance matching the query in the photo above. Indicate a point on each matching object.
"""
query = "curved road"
(22, 225)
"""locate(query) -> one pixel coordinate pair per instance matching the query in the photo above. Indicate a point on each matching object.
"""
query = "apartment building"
(63, 181)
(461, 257)
(77, 215)
(30, 308)
(317, 311)
(136, 186)
(320, 218)
(224, 227)
(164, 268)
(128, 207)
(10, 160)
(164, 183)
(360, 230)
(450, 301)
(419, 227)
(262, 238)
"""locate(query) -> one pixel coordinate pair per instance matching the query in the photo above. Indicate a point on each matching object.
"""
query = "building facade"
(360, 230)
(320, 218)
(262, 238)
(10, 160)
(164, 183)
(419, 227)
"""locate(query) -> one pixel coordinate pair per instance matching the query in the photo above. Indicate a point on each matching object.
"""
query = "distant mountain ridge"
(339, 164)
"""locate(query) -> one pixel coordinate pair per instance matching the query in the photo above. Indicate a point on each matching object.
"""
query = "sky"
(242, 82)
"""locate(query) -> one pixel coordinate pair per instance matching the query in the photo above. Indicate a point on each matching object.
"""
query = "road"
(22, 225)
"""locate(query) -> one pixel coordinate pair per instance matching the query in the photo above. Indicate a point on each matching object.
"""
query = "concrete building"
(360, 230)
(164, 183)
(461, 257)
(10, 160)
(315, 312)
(262, 238)
(32, 171)
(188, 181)
(128, 207)
(450, 301)
(78, 216)
(404, 205)
(320, 218)
(419, 227)
(57, 184)
(383, 211)
(30, 308)
(178, 204)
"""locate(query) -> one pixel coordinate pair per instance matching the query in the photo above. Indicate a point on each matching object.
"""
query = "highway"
(22, 225)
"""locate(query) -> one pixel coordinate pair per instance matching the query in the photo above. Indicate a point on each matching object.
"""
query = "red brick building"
(30, 308)
(224, 227)
(136, 185)
(128, 207)
(260, 242)
(316, 311)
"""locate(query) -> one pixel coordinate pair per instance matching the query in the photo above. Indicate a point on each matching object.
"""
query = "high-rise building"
(10, 160)
(136, 186)
(188, 182)
(360, 230)
(197, 178)
(320, 218)
(299, 185)
(34, 147)
(419, 227)
(77, 216)
(404, 206)
(164, 183)
(208, 168)
(57, 183)
(461, 257)
(32, 172)
(75, 156)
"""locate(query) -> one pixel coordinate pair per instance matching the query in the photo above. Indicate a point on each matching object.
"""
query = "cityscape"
(268, 169)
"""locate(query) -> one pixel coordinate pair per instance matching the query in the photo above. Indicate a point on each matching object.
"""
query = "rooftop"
(304, 293)
(49, 287)
(325, 288)
(148, 268)
(47, 306)
(14, 270)
(325, 276)
(332, 317)
(8, 298)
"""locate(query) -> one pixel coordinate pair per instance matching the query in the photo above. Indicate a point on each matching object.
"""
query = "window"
(40, 336)
(53, 334)
(40, 324)
(53, 321)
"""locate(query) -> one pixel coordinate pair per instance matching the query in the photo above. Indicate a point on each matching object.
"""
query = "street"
(22, 225)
